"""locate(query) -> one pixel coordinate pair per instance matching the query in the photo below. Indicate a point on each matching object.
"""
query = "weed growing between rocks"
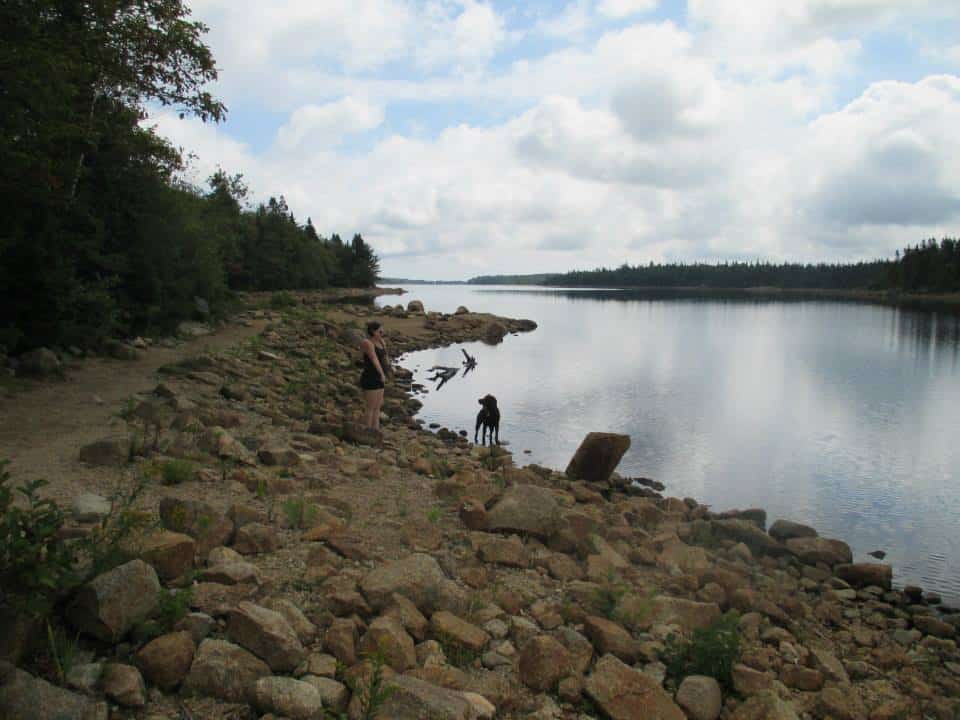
(177, 472)
(63, 651)
(38, 566)
(172, 607)
(711, 651)
(371, 693)
(607, 597)
(299, 513)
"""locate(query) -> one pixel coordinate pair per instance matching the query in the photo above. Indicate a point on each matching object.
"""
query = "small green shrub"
(63, 650)
(372, 693)
(36, 565)
(177, 472)
(606, 597)
(434, 514)
(282, 300)
(172, 607)
(711, 651)
(299, 513)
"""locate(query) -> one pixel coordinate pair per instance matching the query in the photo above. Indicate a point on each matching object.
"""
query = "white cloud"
(313, 126)
(624, 8)
(890, 154)
(711, 140)
(467, 37)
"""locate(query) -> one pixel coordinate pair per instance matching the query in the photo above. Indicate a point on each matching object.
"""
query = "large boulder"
(417, 577)
(170, 553)
(863, 574)
(266, 634)
(387, 635)
(413, 699)
(528, 509)
(113, 602)
(39, 362)
(813, 550)
(108, 452)
(750, 534)
(166, 660)
(784, 530)
(294, 699)
(627, 694)
(24, 697)
(765, 705)
(700, 697)
(224, 670)
(598, 456)
(415, 306)
(610, 637)
(445, 624)
(543, 663)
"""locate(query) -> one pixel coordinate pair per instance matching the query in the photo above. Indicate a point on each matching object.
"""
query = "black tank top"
(369, 369)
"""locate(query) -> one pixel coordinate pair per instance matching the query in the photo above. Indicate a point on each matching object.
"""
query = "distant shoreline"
(919, 301)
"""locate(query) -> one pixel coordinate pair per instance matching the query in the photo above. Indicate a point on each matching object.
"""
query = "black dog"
(489, 418)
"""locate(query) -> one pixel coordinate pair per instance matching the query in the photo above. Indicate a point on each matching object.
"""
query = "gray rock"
(109, 452)
(335, 694)
(700, 697)
(784, 530)
(166, 660)
(115, 601)
(224, 670)
(417, 577)
(24, 697)
(85, 677)
(627, 694)
(294, 699)
(813, 550)
(528, 509)
(414, 699)
(863, 574)
(266, 634)
(90, 508)
(124, 685)
(39, 362)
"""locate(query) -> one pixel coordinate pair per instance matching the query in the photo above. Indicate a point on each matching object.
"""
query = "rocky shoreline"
(316, 569)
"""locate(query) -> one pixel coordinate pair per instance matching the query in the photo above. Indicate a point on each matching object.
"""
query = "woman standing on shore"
(374, 376)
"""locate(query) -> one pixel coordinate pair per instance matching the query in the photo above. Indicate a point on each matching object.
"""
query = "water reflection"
(840, 415)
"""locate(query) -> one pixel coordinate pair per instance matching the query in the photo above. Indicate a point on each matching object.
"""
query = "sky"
(469, 137)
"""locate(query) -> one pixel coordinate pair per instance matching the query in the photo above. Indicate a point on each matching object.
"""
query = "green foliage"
(177, 472)
(63, 650)
(298, 512)
(711, 651)
(456, 653)
(172, 607)
(434, 514)
(100, 238)
(282, 300)
(372, 693)
(606, 597)
(36, 565)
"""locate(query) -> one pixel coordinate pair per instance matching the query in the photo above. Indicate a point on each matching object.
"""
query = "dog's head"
(489, 402)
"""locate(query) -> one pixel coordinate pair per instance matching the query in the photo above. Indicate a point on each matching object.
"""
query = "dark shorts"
(371, 382)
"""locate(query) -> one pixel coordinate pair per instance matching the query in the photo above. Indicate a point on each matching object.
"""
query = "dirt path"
(44, 424)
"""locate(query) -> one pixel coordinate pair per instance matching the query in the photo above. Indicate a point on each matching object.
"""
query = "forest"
(101, 236)
(929, 267)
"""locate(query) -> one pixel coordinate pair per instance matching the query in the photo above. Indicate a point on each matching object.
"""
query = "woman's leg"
(378, 394)
(371, 411)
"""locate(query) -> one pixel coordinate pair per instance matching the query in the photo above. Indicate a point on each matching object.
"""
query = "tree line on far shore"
(99, 235)
(930, 266)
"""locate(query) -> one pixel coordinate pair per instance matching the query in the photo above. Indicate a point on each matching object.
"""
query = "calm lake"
(843, 416)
